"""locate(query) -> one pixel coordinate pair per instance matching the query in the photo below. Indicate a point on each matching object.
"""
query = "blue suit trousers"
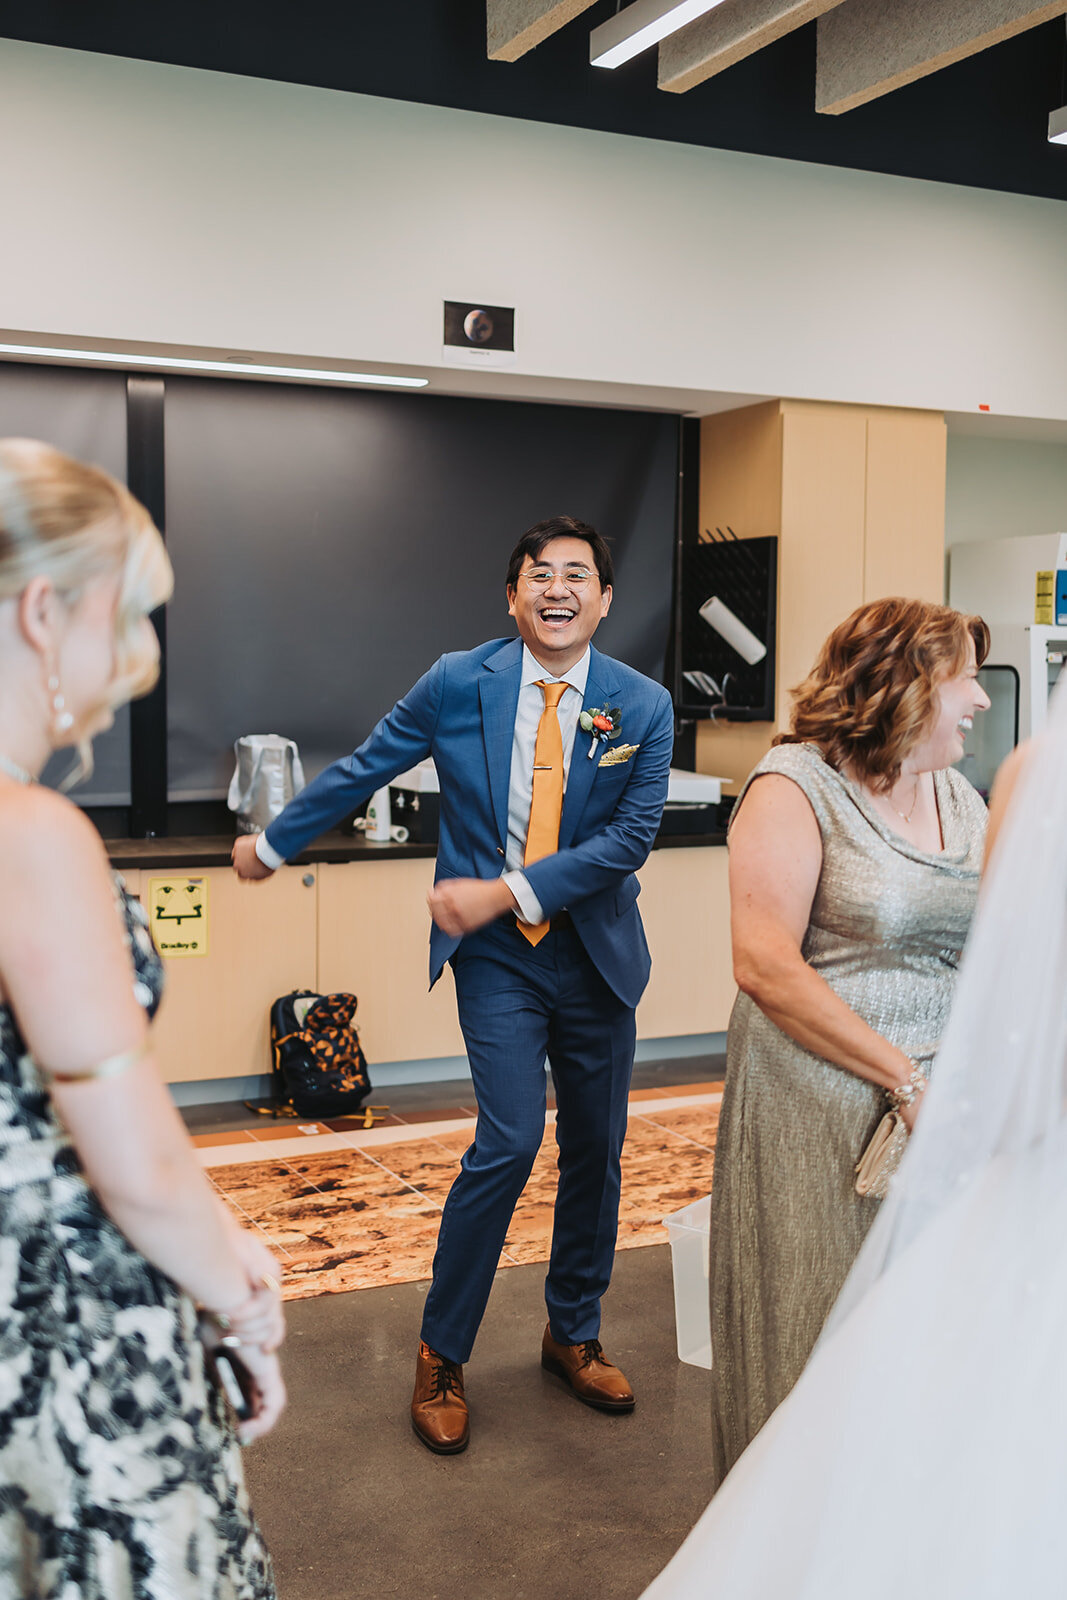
(518, 1005)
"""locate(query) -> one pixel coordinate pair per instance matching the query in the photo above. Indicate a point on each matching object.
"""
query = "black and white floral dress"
(120, 1473)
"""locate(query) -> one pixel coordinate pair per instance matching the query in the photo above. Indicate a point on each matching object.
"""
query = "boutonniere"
(603, 725)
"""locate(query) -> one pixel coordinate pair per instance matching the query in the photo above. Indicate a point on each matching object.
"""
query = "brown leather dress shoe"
(439, 1412)
(588, 1372)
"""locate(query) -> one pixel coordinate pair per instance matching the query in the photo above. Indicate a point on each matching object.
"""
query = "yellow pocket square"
(616, 757)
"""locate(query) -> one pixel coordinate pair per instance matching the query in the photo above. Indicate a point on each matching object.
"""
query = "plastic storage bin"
(689, 1231)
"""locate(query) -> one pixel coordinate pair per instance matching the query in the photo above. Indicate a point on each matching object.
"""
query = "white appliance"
(693, 788)
(1036, 653)
(683, 788)
(422, 779)
(996, 579)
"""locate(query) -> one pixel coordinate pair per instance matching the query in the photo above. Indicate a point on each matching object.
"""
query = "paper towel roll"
(733, 630)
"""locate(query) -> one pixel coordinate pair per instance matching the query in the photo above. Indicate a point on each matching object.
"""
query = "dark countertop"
(213, 850)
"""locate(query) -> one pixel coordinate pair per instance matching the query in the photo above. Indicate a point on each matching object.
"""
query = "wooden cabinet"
(262, 940)
(363, 926)
(374, 931)
(686, 911)
(856, 498)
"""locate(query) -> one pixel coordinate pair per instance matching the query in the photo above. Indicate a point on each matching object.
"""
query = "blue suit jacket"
(462, 713)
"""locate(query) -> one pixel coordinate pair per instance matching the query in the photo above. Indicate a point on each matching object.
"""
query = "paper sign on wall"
(177, 911)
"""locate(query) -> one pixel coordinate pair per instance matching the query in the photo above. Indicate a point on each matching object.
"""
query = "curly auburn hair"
(871, 696)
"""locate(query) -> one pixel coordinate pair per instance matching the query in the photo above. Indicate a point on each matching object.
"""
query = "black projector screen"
(329, 545)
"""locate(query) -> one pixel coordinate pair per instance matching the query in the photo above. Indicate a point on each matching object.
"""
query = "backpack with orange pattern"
(318, 1063)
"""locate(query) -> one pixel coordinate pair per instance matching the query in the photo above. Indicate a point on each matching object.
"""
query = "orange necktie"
(546, 805)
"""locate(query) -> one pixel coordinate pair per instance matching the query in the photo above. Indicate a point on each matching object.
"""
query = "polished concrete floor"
(552, 1501)
(226, 1116)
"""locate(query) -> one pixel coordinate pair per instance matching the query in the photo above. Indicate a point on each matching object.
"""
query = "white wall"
(167, 205)
(1003, 488)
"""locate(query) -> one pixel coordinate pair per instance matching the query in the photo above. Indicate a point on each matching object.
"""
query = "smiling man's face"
(557, 619)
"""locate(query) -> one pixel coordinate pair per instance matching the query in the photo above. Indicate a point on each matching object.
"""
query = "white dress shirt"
(520, 788)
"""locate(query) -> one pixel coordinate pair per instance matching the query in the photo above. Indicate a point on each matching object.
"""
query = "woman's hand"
(909, 1113)
(258, 1319)
(911, 1081)
(269, 1396)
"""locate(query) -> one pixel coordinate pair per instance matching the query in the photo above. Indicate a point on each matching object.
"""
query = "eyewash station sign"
(177, 910)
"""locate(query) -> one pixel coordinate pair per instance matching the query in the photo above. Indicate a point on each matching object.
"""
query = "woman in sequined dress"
(855, 850)
(923, 1451)
(120, 1472)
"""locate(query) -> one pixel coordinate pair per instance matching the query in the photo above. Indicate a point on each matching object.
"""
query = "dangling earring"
(62, 720)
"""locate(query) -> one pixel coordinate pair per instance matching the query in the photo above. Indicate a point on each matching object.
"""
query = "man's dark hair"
(534, 540)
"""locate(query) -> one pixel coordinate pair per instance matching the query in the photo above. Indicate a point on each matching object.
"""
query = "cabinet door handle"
(308, 880)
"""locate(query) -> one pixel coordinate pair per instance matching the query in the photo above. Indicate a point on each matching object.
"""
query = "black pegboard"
(743, 573)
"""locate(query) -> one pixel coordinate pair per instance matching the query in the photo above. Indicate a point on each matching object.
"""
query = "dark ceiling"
(982, 122)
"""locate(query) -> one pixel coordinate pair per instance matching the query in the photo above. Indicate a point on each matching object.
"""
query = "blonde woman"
(855, 852)
(119, 1463)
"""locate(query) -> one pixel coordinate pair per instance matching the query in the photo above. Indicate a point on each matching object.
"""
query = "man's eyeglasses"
(541, 577)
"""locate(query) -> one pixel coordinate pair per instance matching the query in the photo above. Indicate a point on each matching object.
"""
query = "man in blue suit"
(553, 763)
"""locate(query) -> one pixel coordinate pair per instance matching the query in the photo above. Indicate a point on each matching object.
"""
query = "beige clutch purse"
(882, 1157)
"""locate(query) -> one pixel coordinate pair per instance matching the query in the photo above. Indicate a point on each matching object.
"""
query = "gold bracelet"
(110, 1068)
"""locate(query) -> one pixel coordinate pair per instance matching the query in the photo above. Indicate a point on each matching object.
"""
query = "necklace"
(13, 770)
(906, 816)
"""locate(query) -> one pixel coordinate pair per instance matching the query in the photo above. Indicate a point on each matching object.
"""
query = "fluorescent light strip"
(1057, 126)
(188, 364)
(640, 26)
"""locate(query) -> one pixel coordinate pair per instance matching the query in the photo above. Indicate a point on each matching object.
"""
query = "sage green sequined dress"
(888, 926)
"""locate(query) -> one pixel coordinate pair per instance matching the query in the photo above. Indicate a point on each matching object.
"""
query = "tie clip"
(544, 769)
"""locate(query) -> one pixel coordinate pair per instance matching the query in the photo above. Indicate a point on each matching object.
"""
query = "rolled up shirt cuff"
(267, 853)
(529, 906)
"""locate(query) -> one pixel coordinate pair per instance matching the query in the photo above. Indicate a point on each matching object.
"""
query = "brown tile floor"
(350, 1208)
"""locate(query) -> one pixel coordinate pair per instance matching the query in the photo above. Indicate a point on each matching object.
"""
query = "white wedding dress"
(923, 1453)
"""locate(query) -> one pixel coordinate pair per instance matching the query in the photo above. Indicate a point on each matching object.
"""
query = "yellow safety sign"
(177, 910)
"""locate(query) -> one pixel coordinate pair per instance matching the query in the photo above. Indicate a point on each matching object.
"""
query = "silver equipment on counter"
(267, 776)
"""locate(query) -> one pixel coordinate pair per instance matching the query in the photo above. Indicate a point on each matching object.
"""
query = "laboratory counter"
(351, 915)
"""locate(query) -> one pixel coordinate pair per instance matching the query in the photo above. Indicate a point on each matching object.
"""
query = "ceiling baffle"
(865, 48)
